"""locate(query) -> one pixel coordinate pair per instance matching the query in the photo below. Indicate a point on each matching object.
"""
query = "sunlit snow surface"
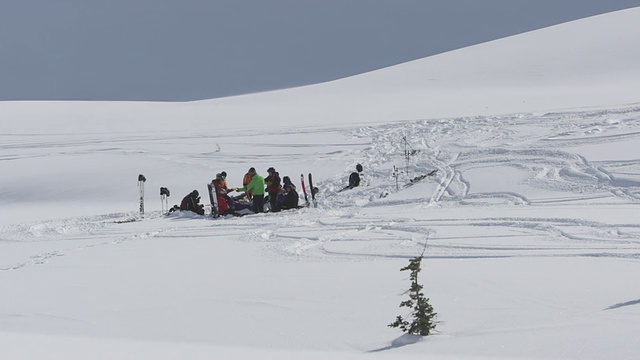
(529, 228)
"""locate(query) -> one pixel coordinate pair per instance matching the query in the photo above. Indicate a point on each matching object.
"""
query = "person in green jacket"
(256, 187)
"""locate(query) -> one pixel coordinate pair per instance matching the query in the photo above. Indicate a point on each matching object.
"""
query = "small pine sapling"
(422, 312)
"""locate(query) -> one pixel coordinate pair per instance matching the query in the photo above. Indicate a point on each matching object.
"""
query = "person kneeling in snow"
(354, 178)
(191, 202)
(220, 185)
(230, 206)
(288, 198)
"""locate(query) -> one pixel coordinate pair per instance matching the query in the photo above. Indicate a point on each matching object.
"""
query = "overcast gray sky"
(198, 49)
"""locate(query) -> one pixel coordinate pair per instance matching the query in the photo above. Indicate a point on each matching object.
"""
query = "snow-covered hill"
(530, 224)
(585, 63)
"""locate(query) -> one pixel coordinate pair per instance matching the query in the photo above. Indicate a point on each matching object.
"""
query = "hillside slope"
(593, 62)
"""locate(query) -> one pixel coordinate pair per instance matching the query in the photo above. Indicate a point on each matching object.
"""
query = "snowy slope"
(530, 224)
(590, 62)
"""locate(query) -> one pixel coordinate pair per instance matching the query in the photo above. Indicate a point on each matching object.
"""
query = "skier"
(354, 178)
(191, 202)
(273, 187)
(288, 198)
(256, 187)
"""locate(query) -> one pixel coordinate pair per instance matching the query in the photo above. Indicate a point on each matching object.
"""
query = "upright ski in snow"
(141, 181)
(304, 189)
(313, 191)
(213, 199)
(164, 194)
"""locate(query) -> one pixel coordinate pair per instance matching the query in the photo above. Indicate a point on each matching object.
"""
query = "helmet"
(252, 171)
(223, 174)
(270, 170)
(359, 168)
(195, 193)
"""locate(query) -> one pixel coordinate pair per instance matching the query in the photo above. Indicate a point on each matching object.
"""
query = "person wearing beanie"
(255, 187)
(354, 178)
(220, 182)
(289, 197)
(273, 187)
(191, 202)
(220, 185)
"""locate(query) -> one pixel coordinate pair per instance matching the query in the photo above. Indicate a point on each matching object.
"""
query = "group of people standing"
(280, 193)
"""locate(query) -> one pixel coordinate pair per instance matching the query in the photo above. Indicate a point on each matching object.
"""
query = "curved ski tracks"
(380, 220)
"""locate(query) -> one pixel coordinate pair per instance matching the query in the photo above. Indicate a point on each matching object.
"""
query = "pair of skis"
(313, 191)
(420, 177)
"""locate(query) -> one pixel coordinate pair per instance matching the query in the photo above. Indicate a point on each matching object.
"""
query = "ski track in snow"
(398, 220)
(68, 235)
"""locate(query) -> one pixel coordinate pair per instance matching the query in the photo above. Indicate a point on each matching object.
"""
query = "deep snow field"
(530, 223)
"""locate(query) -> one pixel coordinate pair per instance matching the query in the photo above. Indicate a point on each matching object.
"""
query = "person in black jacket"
(354, 178)
(289, 197)
(191, 202)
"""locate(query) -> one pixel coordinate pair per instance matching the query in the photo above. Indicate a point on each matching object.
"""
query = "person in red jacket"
(273, 188)
(220, 185)
(220, 181)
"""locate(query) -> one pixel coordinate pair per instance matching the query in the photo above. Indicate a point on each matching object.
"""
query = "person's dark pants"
(273, 201)
(258, 203)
